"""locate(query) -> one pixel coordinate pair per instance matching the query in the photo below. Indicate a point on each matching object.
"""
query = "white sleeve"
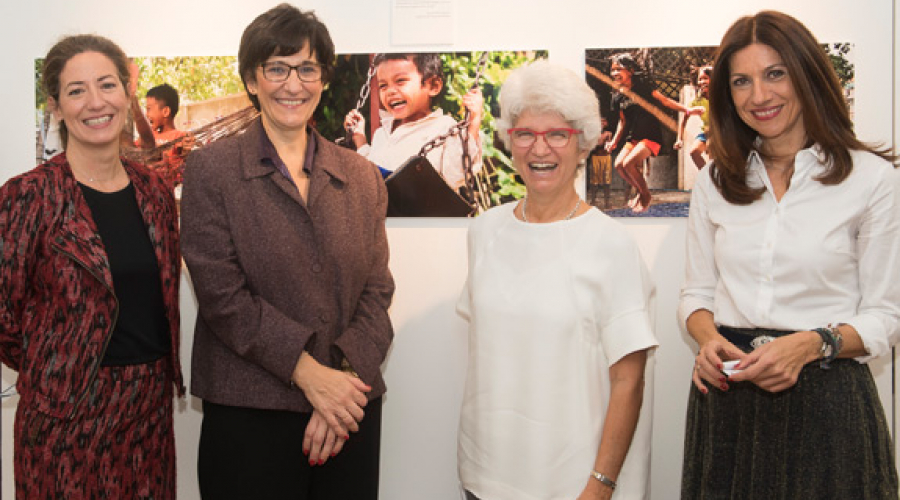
(624, 309)
(878, 252)
(701, 274)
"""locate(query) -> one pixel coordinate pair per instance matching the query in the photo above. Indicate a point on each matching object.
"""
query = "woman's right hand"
(340, 397)
(708, 363)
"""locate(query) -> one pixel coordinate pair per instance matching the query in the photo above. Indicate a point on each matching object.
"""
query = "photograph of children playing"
(392, 108)
(649, 108)
(655, 138)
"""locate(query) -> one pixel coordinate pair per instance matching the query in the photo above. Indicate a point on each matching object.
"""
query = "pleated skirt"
(824, 438)
(119, 445)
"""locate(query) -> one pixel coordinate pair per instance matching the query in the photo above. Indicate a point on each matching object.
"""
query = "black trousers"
(250, 453)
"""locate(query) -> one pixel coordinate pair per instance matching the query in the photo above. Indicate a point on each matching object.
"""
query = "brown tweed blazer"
(275, 276)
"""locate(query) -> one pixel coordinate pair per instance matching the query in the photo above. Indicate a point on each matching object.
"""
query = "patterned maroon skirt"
(120, 445)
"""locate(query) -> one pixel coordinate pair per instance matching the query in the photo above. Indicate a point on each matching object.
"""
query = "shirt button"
(323, 318)
(316, 268)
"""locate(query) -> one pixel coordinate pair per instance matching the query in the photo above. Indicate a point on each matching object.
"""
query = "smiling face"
(403, 93)
(620, 74)
(546, 171)
(92, 101)
(157, 113)
(764, 96)
(286, 106)
(703, 82)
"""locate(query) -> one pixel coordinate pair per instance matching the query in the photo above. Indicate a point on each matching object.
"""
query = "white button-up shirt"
(823, 254)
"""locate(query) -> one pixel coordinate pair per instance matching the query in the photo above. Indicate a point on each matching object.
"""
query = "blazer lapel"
(327, 168)
(150, 204)
(253, 167)
(76, 236)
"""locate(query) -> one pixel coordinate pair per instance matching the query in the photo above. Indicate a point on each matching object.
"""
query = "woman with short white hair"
(557, 300)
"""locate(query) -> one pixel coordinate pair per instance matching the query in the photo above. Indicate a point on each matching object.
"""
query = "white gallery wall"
(426, 366)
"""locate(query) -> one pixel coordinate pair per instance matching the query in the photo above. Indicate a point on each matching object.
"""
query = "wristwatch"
(826, 349)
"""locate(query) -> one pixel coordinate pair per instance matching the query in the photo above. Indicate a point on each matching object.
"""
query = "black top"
(141, 332)
(639, 123)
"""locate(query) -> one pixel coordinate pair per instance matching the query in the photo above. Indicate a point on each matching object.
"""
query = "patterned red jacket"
(57, 308)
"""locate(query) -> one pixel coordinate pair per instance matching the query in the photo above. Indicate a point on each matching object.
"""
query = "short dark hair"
(428, 64)
(70, 46)
(282, 31)
(627, 61)
(825, 114)
(167, 95)
(704, 69)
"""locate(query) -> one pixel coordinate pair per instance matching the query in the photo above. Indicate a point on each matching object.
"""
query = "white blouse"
(550, 308)
(823, 254)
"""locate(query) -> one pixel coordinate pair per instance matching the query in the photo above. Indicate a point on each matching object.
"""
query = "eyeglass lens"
(556, 138)
(279, 72)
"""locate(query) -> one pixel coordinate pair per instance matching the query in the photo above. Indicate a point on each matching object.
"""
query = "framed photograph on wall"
(654, 104)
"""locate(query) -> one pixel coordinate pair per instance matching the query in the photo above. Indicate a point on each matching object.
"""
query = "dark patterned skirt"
(824, 438)
(119, 446)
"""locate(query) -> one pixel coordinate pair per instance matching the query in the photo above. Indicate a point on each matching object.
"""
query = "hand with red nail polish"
(775, 366)
(714, 350)
(320, 439)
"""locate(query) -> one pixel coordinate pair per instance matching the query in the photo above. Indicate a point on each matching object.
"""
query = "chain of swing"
(476, 192)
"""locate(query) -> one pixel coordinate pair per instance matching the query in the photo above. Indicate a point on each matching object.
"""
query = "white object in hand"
(728, 367)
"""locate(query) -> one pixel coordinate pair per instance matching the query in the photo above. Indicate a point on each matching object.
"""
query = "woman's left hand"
(319, 441)
(595, 490)
(775, 366)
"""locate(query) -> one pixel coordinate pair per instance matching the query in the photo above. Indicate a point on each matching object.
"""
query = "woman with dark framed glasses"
(559, 329)
(283, 233)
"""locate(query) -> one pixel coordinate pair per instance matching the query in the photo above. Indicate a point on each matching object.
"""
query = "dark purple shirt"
(268, 154)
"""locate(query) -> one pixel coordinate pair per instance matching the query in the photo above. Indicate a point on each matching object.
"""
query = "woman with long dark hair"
(792, 263)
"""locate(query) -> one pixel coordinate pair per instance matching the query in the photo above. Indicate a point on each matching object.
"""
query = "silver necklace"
(571, 214)
(111, 177)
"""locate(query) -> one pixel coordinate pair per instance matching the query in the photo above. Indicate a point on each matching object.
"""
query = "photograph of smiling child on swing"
(655, 138)
(427, 121)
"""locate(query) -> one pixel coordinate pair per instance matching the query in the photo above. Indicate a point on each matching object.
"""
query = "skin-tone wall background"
(426, 367)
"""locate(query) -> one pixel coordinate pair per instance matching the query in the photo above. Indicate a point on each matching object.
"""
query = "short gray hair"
(543, 87)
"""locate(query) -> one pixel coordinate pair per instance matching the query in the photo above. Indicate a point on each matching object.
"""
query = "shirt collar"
(809, 163)
(268, 155)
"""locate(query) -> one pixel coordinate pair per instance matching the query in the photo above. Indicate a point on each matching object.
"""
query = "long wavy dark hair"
(825, 114)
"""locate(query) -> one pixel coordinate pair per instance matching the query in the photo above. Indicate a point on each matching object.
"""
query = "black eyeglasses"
(555, 137)
(277, 72)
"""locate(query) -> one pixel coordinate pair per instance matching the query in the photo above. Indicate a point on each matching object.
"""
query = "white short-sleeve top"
(550, 308)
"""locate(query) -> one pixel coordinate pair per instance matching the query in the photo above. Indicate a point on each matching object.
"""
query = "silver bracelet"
(603, 479)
